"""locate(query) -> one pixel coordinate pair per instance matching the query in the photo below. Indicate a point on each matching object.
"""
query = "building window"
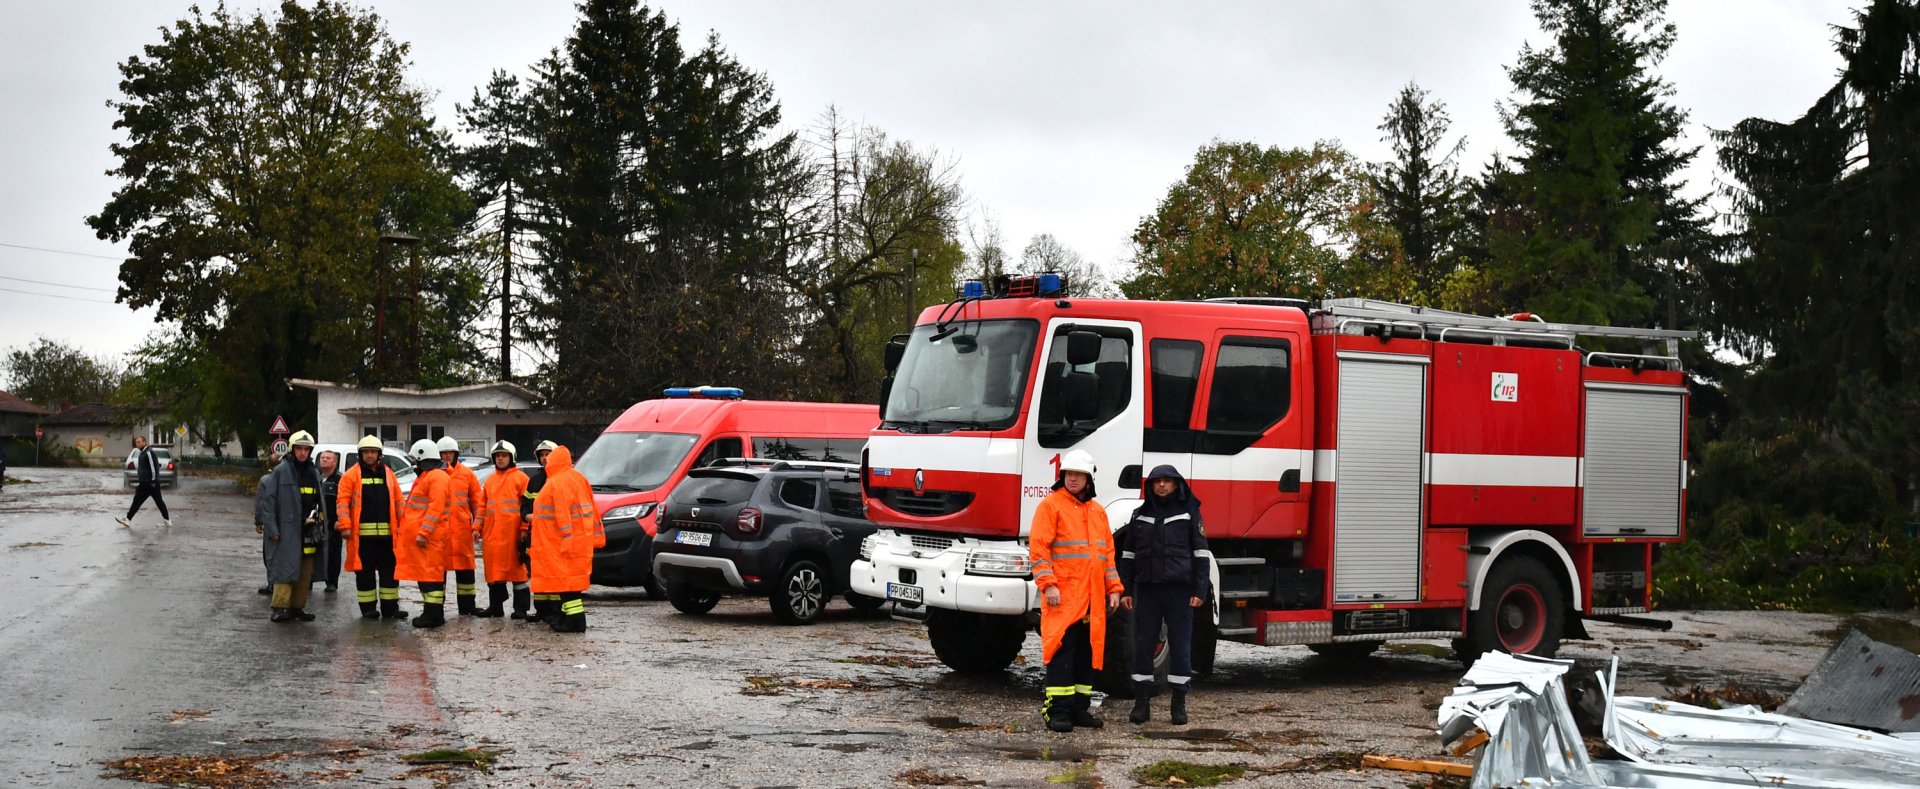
(388, 434)
(426, 433)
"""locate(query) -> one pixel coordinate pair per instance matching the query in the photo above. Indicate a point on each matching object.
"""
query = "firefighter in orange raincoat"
(1071, 549)
(566, 530)
(365, 518)
(419, 540)
(468, 506)
(500, 533)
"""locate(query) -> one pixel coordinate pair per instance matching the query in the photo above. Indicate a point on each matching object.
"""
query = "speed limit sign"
(280, 447)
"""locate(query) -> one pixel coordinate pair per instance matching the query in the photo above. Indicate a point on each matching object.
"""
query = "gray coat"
(278, 510)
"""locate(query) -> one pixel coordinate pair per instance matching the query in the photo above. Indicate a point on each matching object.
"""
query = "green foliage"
(48, 371)
(263, 157)
(1422, 194)
(662, 188)
(1249, 220)
(1591, 227)
(1172, 772)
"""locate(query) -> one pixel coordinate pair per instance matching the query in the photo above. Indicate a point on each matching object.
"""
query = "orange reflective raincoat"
(425, 513)
(566, 529)
(468, 508)
(501, 524)
(1071, 548)
(347, 512)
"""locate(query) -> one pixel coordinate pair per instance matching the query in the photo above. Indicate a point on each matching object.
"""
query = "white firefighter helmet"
(301, 439)
(1077, 460)
(424, 450)
(369, 442)
(447, 444)
(546, 446)
(507, 447)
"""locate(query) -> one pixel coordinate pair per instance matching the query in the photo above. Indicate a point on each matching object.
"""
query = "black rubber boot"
(467, 608)
(280, 615)
(369, 611)
(496, 601)
(1059, 714)
(1083, 716)
(572, 614)
(390, 609)
(301, 614)
(431, 616)
(522, 600)
(1142, 703)
(1177, 714)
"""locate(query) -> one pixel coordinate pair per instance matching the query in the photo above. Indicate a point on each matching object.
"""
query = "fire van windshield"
(974, 378)
(631, 462)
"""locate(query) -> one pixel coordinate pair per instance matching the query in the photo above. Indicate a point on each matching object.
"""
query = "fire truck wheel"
(862, 602)
(690, 599)
(801, 595)
(975, 643)
(1521, 612)
(1345, 650)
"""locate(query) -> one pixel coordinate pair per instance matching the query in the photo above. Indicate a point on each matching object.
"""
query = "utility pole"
(913, 272)
(506, 288)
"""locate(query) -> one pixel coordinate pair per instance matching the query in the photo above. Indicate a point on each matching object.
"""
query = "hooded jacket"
(1071, 548)
(428, 507)
(1164, 542)
(501, 525)
(566, 529)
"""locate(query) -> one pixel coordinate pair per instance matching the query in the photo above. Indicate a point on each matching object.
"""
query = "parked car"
(788, 530)
(483, 472)
(403, 471)
(644, 453)
(166, 475)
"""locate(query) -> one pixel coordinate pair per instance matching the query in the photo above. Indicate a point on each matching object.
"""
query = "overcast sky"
(1070, 118)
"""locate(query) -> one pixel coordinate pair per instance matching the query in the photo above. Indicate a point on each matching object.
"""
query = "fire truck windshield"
(630, 462)
(974, 378)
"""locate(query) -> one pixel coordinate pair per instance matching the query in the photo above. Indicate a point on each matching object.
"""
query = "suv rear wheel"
(801, 594)
(689, 599)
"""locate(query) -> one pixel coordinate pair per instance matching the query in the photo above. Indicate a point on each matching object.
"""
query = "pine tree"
(1422, 194)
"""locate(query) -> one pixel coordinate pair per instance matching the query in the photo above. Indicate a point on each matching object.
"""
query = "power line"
(58, 296)
(65, 252)
(59, 285)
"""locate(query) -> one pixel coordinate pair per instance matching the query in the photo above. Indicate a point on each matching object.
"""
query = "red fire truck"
(1369, 470)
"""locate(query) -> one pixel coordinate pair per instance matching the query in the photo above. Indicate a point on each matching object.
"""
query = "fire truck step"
(1230, 632)
(1243, 595)
(1239, 561)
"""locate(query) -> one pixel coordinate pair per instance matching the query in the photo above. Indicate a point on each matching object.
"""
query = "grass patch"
(1177, 773)
(921, 776)
(214, 772)
(473, 757)
(1429, 650)
(1079, 775)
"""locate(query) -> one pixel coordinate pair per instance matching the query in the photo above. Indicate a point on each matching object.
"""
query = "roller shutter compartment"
(1631, 474)
(1378, 474)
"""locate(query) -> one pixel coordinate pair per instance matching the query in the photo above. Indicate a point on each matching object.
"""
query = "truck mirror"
(886, 390)
(1130, 477)
(1083, 347)
(1082, 395)
(896, 350)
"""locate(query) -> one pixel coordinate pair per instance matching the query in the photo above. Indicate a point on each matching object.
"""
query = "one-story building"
(475, 415)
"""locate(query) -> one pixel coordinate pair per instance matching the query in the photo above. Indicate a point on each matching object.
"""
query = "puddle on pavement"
(1189, 735)
(696, 746)
(1046, 753)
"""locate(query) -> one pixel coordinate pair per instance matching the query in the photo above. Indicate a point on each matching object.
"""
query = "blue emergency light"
(973, 289)
(1051, 284)
(707, 392)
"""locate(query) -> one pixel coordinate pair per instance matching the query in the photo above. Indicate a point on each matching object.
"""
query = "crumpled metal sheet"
(1533, 741)
(1862, 682)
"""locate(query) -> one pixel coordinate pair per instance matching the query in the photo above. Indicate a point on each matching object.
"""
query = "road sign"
(279, 426)
(180, 431)
(37, 432)
(280, 448)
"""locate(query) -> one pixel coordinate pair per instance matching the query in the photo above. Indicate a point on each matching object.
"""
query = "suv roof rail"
(771, 464)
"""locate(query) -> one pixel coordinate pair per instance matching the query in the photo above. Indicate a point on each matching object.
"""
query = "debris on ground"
(1519, 703)
(774, 686)
(1435, 766)
(1082, 776)
(921, 776)
(1177, 773)
(1730, 694)
(477, 758)
(213, 772)
(22, 546)
(1862, 682)
(1318, 763)
(182, 716)
(891, 661)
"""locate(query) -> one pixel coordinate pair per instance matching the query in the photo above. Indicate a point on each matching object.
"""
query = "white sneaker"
(124, 523)
(167, 522)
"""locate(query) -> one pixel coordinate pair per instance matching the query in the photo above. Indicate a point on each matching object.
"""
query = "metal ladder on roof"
(1370, 316)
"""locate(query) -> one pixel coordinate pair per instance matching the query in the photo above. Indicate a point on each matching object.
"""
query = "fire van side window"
(1106, 387)
(1252, 385)
(1176, 379)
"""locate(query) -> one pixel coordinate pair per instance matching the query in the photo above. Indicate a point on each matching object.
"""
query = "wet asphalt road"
(151, 641)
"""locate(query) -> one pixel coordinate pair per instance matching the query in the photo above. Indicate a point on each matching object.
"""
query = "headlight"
(866, 548)
(983, 562)
(634, 511)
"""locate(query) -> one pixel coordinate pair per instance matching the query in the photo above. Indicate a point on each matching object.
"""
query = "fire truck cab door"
(1251, 456)
(1109, 427)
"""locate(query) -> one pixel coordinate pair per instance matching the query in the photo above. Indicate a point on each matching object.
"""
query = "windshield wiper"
(905, 425)
(610, 488)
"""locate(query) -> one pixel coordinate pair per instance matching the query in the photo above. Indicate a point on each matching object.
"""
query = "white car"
(403, 471)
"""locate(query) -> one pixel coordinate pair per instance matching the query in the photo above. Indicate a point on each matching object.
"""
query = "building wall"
(335, 426)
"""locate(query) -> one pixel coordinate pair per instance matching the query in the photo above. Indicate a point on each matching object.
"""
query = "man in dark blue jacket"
(1166, 567)
(147, 483)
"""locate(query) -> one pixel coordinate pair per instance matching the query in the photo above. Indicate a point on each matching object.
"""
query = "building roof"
(83, 414)
(12, 404)
(503, 386)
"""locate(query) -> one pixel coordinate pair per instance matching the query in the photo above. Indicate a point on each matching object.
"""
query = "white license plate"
(693, 538)
(905, 593)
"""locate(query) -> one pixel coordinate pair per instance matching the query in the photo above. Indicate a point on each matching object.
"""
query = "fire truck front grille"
(932, 504)
(926, 543)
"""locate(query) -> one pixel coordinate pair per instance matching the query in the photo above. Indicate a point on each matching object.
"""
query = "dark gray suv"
(787, 530)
